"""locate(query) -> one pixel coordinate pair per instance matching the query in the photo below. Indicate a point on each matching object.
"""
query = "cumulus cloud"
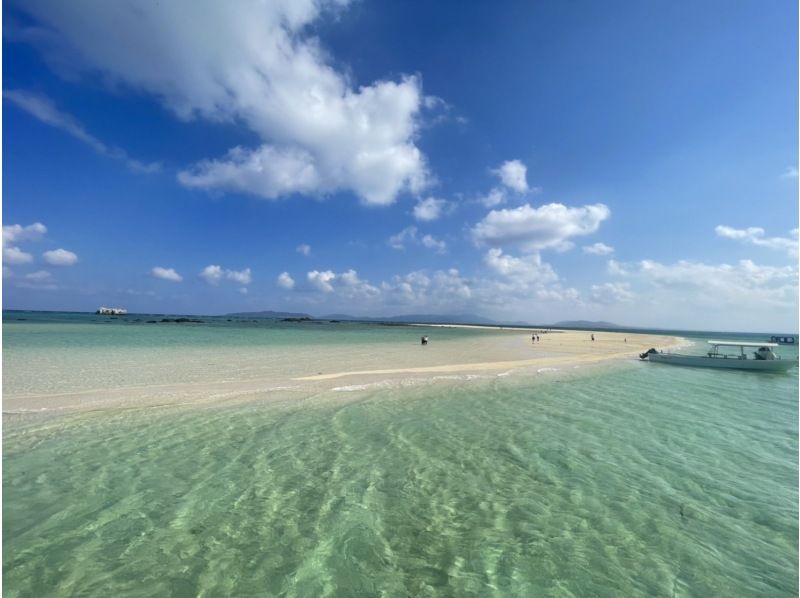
(612, 292)
(514, 281)
(513, 175)
(431, 242)
(442, 289)
(527, 270)
(743, 294)
(262, 68)
(285, 281)
(304, 249)
(410, 236)
(15, 256)
(166, 274)
(494, 198)
(532, 229)
(616, 268)
(429, 209)
(16, 233)
(242, 277)
(755, 236)
(406, 235)
(60, 257)
(790, 172)
(321, 280)
(44, 110)
(353, 287)
(213, 274)
(521, 286)
(598, 249)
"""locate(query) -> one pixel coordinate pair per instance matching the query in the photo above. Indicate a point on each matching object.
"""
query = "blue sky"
(539, 161)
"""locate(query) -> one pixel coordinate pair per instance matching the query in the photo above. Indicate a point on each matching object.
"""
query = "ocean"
(618, 479)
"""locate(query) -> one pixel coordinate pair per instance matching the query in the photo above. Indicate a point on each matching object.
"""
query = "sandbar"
(293, 373)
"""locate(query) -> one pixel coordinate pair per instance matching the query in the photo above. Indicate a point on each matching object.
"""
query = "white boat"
(763, 359)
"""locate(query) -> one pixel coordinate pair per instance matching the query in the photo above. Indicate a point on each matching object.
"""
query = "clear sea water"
(626, 480)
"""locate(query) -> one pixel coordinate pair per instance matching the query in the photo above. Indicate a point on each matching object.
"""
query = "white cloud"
(522, 287)
(495, 197)
(432, 242)
(285, 281)
(40, 280)
(7, 272)
(740, 296)
(409, 236)
(60, 257)
(616, 268)
(533, 229)
(515, 281)
(527, 270)
(166, 274)
(212, 274)
(15, 256)
(16, 233)
(354, 287)
(242, 277)
(598, 249)
(558, 295)
(755, 236)
(304, 249)
(406, 235)
(513, 174)
(441, 290)
(44, 110)
(262, 68)
(321, 280)
(429, 209)
(243, 291)
(40, 276)
(612, 292)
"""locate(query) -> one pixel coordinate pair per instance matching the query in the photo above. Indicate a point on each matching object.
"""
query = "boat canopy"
(741, 344)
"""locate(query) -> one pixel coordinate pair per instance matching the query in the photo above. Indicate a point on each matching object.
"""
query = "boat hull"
(729, 363)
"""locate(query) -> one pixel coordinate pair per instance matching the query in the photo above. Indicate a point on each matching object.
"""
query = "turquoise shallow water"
(634, 480)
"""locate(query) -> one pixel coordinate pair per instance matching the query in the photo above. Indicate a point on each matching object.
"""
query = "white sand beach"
(224, 374)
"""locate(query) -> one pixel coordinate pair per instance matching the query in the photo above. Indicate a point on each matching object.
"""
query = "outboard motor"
(646, 353)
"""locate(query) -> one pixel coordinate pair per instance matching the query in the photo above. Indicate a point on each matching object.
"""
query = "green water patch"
(633, 481)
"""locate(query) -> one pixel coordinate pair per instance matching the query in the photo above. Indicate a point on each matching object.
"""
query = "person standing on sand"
(592, 336)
